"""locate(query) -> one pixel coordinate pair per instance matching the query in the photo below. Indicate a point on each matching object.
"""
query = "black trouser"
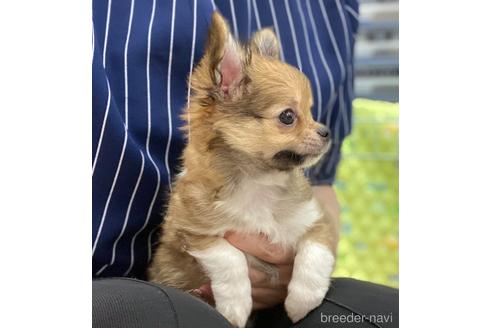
(129, 303)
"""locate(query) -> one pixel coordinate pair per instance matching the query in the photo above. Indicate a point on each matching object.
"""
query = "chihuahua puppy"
(251, 134)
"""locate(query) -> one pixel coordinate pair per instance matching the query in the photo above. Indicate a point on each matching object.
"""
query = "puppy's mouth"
(288, 158)
(314, 148)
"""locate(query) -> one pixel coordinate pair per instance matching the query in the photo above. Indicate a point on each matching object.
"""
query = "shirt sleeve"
(339, 119)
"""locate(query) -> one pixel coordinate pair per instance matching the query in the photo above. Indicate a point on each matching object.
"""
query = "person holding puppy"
(143, 55)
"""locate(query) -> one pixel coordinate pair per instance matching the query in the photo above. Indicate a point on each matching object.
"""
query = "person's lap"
(125, 303)
(348, 303)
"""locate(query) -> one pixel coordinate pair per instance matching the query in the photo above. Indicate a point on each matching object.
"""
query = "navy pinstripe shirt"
(143, 52)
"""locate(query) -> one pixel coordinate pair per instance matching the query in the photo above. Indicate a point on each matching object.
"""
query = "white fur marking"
(310, 281)
(262, 205)
(227, 269)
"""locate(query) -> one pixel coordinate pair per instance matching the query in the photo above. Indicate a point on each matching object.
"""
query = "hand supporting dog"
(265, 292)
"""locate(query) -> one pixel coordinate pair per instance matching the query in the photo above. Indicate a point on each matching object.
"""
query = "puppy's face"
(261, 106)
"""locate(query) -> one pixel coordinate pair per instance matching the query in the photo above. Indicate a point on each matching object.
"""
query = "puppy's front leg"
(313, 265)
(227, 269)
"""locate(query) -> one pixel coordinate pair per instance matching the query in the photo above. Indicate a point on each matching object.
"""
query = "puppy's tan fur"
(234, 137)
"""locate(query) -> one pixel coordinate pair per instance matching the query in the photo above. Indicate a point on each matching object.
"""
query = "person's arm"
(327, 197)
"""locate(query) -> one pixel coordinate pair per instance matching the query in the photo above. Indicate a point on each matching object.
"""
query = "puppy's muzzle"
(324, 132)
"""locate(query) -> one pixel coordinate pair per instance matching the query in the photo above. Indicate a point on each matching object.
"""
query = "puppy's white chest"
(265, 206)
(255, 202)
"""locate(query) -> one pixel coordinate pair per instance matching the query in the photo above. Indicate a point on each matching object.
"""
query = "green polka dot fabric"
(367, 188)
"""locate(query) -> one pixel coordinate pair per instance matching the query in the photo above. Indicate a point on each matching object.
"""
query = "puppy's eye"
(287, 117)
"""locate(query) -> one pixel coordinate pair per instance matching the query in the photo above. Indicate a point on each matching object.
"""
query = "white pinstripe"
(93, 41)
(169, 115)
(123, 150)
(277, 30)
(214, 5)
(332, 36)
(102, 269)
(331, 100)
(103, 127)
(191, 67)
(234, 23)
(257, 15)
(341, 113)
(108, 17)
(125, 222)
(311, 61)
(149, 129)
(128, 211)
(349, 67)
(130, 21)
(108, 200)
(294, 38)
(352, 12)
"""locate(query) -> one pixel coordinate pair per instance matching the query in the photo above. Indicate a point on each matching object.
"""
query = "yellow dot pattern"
(367, 188)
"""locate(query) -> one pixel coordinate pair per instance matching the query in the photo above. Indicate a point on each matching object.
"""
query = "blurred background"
(367, 178)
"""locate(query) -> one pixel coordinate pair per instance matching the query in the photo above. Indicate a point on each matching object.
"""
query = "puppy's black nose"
(324, 132)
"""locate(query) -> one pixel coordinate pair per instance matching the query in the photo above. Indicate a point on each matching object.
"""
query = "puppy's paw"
(310, 279)
(227, 269)
(236, 310)
(300, 300)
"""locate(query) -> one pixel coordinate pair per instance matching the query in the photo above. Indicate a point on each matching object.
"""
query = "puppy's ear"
(265, 43)
(227, 57)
